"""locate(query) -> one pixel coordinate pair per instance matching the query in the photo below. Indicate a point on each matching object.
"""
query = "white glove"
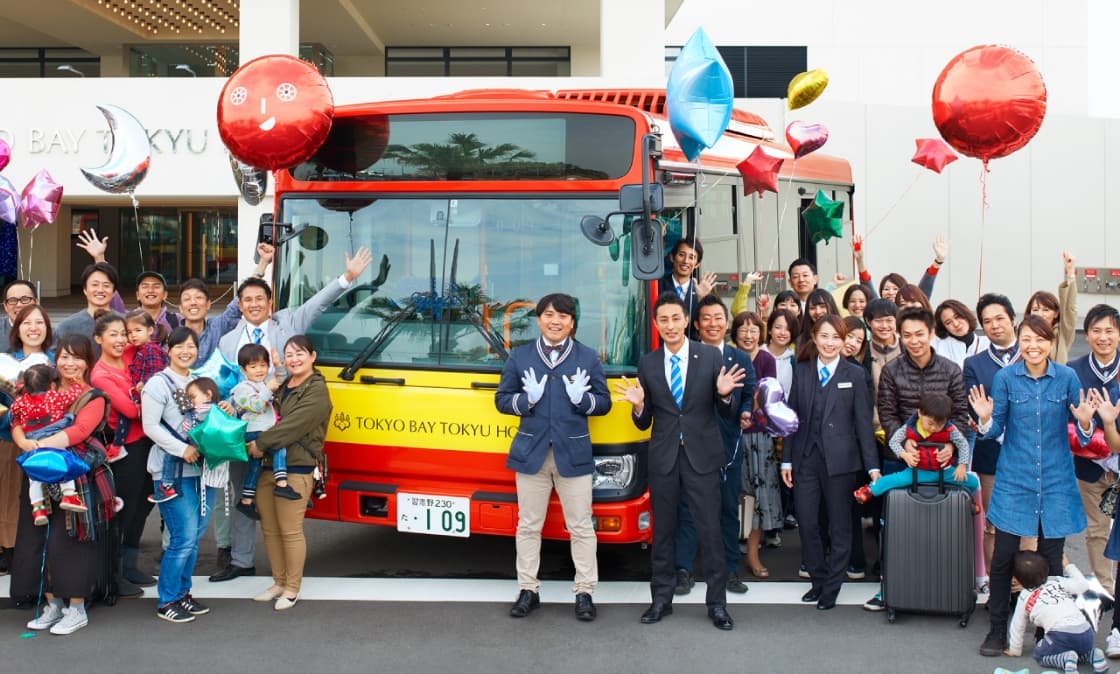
(533, 389)
(577, 386)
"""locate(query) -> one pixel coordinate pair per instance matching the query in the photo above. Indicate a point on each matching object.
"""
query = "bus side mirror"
(271, 232)
(630, 198)
(647, 254)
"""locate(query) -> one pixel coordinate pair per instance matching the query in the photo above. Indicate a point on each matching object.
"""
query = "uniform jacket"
(844, 436)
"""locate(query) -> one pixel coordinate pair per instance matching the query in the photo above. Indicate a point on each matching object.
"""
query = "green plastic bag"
(220, 438)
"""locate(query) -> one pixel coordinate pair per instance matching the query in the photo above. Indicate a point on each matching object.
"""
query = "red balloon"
(933, 154)
(989, 101)
(274, 112)
(760, 172)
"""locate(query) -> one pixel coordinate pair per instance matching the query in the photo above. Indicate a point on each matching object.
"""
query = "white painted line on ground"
(444, 590)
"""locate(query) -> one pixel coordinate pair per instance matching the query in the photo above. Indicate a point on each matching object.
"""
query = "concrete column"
(267, 27)
(632, 43)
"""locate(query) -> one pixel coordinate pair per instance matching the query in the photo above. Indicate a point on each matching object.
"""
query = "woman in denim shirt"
(1035, 492)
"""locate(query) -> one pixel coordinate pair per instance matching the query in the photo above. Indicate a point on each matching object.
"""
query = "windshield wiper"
(455, 300)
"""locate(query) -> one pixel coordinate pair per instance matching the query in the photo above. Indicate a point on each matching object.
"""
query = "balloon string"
(30, 252)
(781, 219)
(136, 217)
(983, 218)
(890, 209)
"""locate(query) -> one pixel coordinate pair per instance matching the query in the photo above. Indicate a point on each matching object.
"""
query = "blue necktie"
(824, 376)
(676, 381)
(258, 334)
(680, 292)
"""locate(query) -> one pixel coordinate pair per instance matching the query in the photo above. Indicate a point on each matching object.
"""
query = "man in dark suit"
(552, 448)
(833, 443)
(711, 324)
(685, 257)
(680, 387)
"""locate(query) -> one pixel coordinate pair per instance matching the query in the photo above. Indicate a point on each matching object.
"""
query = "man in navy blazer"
(681, 386)
(711, 324)
(684, 258)
(554, 383)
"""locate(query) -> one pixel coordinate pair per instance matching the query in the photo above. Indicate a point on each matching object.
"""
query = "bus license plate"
(437, 515)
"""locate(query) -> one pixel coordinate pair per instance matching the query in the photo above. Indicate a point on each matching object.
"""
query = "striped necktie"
(824, 376)
(258, 334)
(676, 381)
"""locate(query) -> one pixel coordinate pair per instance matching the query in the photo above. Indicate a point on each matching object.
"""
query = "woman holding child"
(1035, 493)
(69, 536)
(304, 406)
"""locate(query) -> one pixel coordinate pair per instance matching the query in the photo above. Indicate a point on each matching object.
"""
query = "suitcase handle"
(914, 481)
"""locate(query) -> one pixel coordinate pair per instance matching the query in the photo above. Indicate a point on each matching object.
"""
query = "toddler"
(1049, 603)
(146, 358)
(201, 394)
(39, 412)
(252, 401)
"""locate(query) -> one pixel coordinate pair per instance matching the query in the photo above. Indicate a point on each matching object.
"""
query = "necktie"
(676, 381)
(680, 292)
(258, 334)
(824, 375)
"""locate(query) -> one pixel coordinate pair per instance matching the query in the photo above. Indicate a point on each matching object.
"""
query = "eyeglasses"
(14, 301)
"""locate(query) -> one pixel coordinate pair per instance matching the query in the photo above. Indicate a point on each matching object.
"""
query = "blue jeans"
(172, 470)
(253, 471)
(186, 525)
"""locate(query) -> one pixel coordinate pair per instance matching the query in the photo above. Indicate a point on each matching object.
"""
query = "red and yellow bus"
(473, 203)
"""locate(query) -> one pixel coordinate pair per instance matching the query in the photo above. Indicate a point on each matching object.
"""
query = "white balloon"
(130, 154)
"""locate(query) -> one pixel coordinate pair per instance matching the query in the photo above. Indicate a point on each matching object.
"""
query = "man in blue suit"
(554, 383)
(711, 325)
(685, 257)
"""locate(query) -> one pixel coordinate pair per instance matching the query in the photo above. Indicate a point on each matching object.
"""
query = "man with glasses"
(17, 295)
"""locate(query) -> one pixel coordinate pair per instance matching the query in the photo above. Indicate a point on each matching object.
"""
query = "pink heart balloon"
(5, 154)
(804, 138)
(40, 201)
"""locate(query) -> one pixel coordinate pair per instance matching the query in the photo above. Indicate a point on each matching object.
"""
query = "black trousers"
(134, 485)
(825, 504)
(702, 494)
(999, 601)
(70, 564)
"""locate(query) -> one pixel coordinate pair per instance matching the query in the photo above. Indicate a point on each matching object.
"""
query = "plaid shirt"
(149, 360)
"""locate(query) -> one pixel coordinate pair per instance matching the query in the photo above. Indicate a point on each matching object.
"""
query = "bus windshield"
(454, 281)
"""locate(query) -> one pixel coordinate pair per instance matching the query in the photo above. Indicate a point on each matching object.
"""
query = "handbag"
(1097, 448)
(220, 438)
(1109, 498)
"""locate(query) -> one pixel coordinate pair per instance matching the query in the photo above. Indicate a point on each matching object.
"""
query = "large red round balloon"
(989, 101)
(274, 112)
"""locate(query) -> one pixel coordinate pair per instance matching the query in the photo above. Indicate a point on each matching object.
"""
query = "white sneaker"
(73, 619)
(1112, 645)
(51, 614)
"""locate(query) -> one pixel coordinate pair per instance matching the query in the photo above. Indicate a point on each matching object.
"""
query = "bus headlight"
(613, 472)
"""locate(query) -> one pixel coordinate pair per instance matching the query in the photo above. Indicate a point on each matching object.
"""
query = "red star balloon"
(760, 172)
(933, 153)
(824, 218)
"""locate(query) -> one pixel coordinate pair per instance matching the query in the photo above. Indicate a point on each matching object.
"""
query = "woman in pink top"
(110, 374)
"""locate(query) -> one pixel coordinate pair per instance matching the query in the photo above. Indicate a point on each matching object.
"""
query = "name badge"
(844, 384)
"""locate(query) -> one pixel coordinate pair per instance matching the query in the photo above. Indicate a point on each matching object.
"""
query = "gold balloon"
(805, 87)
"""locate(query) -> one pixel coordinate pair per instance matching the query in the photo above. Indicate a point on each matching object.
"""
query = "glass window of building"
(478, 61)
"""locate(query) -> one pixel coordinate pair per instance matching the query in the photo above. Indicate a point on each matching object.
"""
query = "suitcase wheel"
(891, 615)
(964, 620)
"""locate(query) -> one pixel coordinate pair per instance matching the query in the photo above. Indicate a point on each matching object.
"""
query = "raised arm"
(1067, 307)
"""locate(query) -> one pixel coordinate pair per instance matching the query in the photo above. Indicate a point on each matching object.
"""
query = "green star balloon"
(825, 218)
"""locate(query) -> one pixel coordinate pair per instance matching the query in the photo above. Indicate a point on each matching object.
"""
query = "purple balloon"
(9, 201)
(773, 414)
(40, 201)
(5, 154)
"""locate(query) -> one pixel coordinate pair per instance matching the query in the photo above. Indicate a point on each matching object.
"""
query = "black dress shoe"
(685, 582)
(812, 595)
(585, 608)
(736, 585)
(656, 612)
(721, 618)
(526, 602)
(231, 572)
(826, 603)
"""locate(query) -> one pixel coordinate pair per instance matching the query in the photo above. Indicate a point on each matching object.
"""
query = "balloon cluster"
(35, 205)
(772, 414)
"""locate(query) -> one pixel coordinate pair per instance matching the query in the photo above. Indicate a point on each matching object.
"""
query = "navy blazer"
(553, 421)
(845, 437)
(980, 370)
(692, 423)
(742, 400)
(691, 300)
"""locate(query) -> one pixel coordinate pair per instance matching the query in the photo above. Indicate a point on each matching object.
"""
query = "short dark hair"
(561, 303)
(302, 342)
(801, 262)
(667, 298)
(104, 319)
(254, 282)
(39, 378)
(19, 282)
(920, 314)
(14, 340)
(1101, 312)
(252, 353)
(792, 324)
(957, 308)
(937, 406)
(207, 386)
(898, 280)
(194, 284)
(1038, 325)
(180, 335)
(880, 308)
(788, 295)
(1030, 568)
(988, 299)
(692, 243)
(103, 267)
(711, 300)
